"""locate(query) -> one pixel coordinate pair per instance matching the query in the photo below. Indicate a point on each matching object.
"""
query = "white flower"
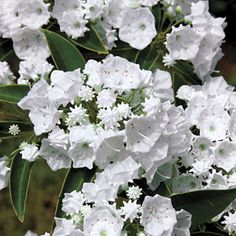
(153, 159)
(65, 227)
(81, 150)
(216, 180)
(72, 202)
(56, 158)
(33, 69)
(33, 13)
(14, 129)
(30, 233)
(4, 173)
(100, 191)
(58, 138)
(124, 110)
(86, 93)
(185, 183)
(73, 23)
(85, 210)
(224, 155)
(109, 148)
(28, 44)
(30, 152)
(6, 75)
(92, 69)
(181, 228)
(65, 86)
(93, 9)
(114, 12)
(121, 172)
(214, 122)
(134, 192)
(159, 216)
(77, 115)
(162, 85)
(45, 116)
(142, 133)
(103, 220)
(183, 43)
(106, 98)
(130, 210)
(201, 167)
(60, 6)
(119, 74)
(230, 222)
(151, 105)
(109, 117)
(138, 28)
(148, 3)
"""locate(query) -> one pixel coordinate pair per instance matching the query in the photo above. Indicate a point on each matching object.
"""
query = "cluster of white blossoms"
(109, 112)
(133, 19)
(156, 216)
(21, 21)
(198, 42)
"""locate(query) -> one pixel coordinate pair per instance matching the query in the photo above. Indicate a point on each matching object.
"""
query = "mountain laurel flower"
(138, 28)
(14, 129)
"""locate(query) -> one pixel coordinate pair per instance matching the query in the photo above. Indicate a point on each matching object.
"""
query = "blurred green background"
(45, 184)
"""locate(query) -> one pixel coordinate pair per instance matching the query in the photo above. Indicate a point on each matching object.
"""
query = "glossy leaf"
(187, 70)
(159, 18)
(13, 93)
(65, 55)
(9, 143)
(207, 234)
(92, 40)
(204, 204)
(147, 58)
(19, 184)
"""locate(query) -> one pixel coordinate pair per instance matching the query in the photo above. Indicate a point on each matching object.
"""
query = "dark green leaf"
(65, 55)
(74, 180)
(157, 13)
(207, 234)
(147, 58)
(13, 93)
(93, 39)
(187, 70)
(9, 143)
(204, 204)
(19, 184)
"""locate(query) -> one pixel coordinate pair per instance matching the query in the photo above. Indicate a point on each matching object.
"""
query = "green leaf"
(147, 58)
(159, 18)
(9, 143)
(10, 111)
(93, 39)
(204, 204)
(13, 93)
(187, 70)
(19, 184)
(74, 180)
(65, 55)
(207, 234)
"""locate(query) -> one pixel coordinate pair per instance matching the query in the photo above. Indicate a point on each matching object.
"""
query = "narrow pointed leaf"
(13, 93)
(204, 204)
(148, 58)
(65, 55)
(92, 40)
(19, 184)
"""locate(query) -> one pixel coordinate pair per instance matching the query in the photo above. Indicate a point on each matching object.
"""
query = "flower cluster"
(199, 43)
